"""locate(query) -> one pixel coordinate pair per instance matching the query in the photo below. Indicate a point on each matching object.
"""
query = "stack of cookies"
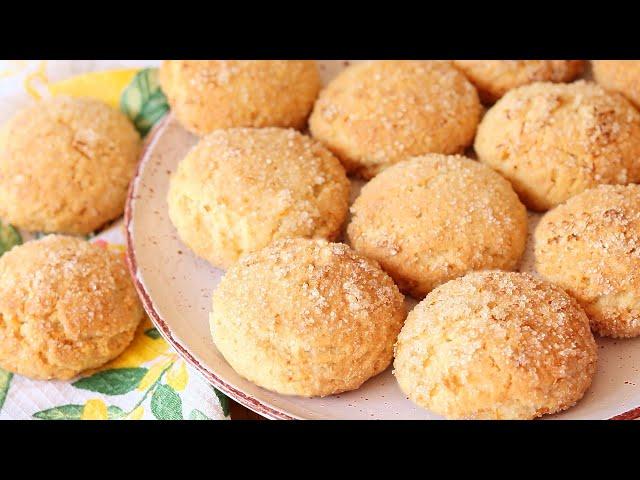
(66, 305)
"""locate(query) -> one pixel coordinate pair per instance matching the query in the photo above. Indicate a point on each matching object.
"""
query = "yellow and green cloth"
(149, 380)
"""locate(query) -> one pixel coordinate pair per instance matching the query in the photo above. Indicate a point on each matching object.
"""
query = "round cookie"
(496, 345)
(66, 305)
(620, 76)
(553, 141)
(494, 78)
(239, 189)
(433, 218)
(375, 114)
(306, 317)
(590, 246)
(209, 94)
(65, 165)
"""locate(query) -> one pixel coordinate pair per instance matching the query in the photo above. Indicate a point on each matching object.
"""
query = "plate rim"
(248, 401)
(244, 399)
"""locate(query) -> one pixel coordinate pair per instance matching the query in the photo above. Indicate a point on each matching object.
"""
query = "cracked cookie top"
(239, 189)
(65, 165)
(590, 246)
(553, 141)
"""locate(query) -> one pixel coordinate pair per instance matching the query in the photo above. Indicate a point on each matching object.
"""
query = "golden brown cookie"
(494, 78)
(375, 114)
(496, 345)
(433, 218)
(553, 141)
(66, 305)
(590, 246)
(240, 189)
(306, 317)
(65, 165)
(209, 94)
(619, 76)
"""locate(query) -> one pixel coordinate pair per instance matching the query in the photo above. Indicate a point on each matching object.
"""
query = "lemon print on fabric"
(106, 86)
(94, 410)
(154, 374)
(177, 376)
(127, 373)
(136, 414)
(147, 345)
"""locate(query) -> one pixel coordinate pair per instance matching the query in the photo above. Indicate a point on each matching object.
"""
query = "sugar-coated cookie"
(375, 114)
(553, 141)
(209, 94)
(494, 78)
(436, 217)
(240, 189)
(66, 305)
(620, 76)
(590, 246)
(306, 317)
(65, 165)
(496, 345)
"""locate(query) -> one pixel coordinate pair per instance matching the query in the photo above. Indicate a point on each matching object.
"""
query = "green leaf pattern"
(152, 333)
(74, 412)
(143, 101)
(5, 382)
(197, 415)
(224, 401)
(115, 413)
(166, 403)
(9, 238)
(63, 412)
(112, 382)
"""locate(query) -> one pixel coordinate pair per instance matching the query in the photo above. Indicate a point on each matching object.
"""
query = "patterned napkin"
(149, 380)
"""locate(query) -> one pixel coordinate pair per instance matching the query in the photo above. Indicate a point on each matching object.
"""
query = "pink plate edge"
(248, 401)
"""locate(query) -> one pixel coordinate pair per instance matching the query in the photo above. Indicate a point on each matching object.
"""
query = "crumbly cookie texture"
(553, 141)
(619, 76)
(590, 246)
(306, 317)
(240, 189)
(496, 345)
(494, 78)
(65, 165)
(209, 94)
(66, 305)
(375, 114)
(430, 219)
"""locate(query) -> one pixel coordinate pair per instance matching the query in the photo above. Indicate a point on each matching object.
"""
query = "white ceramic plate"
(175, 287)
